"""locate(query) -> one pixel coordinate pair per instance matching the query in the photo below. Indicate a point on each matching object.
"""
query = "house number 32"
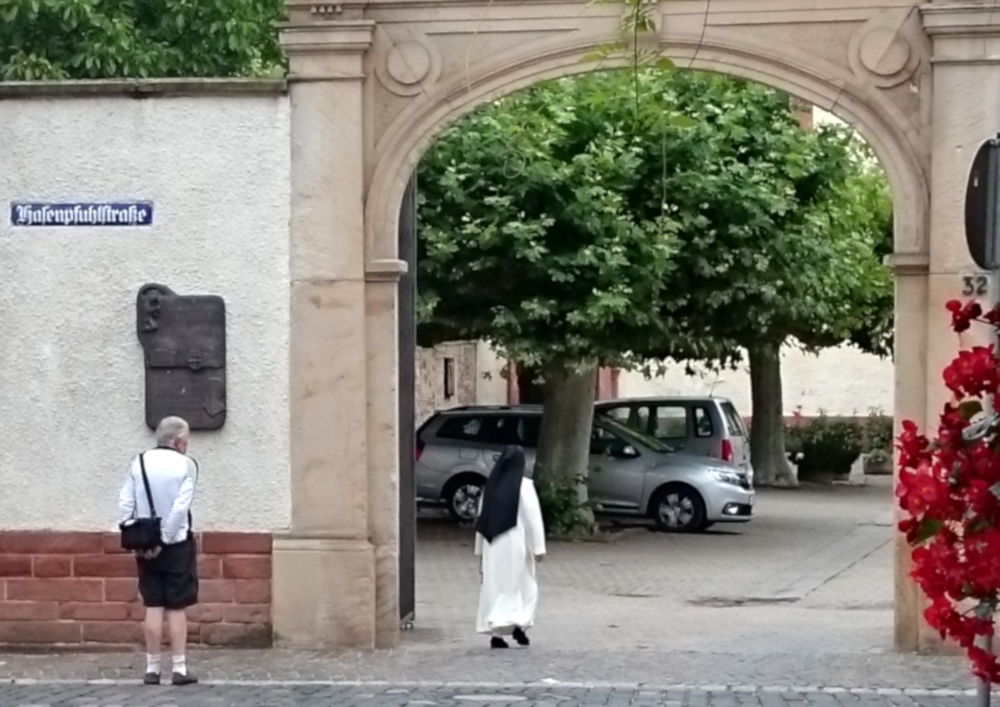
(975, 285)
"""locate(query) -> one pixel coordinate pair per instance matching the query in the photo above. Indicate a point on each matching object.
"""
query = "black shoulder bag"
(142, 533)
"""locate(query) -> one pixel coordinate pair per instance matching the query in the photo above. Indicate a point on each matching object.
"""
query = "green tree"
(92, 39)
(764, 231)
(782, 231)
(527, 240)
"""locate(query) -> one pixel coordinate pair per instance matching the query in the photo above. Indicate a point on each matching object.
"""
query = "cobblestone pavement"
(800, 598)
(539, 664)
(316, 695)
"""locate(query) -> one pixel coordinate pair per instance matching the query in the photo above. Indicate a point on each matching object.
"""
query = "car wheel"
(463, 498)
(678, 509)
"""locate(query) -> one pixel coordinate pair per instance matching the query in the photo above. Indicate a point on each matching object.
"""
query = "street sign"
(129, 213)
(982, 219)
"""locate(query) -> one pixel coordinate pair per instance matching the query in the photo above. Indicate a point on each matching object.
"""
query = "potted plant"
(827, 448)
(878, 443)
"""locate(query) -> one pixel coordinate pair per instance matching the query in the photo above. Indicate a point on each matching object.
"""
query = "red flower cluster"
(950, 490)
(974, 372)
(962, 315)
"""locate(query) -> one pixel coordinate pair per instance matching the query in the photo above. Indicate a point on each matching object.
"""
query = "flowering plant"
(950, 490)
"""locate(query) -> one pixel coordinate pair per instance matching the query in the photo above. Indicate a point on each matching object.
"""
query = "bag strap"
(145, 482)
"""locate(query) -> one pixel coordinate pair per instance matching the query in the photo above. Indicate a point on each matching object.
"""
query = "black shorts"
(170, 580)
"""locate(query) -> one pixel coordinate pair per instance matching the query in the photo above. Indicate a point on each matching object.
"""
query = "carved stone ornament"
(183, 339)
(407, 65)
(326, 9)
(881, 52)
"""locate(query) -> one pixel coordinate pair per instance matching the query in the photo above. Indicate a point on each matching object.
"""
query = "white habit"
(509, 592)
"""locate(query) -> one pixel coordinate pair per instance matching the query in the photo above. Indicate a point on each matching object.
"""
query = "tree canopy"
(527, 236)
(90, 39)
(569, 220)
(623, 216)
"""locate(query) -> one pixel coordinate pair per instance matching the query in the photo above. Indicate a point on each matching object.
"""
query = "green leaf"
(665, 64)
(970, 408)
(683, 121)
(927, 529)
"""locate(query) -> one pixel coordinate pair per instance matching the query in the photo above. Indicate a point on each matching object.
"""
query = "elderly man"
(168, 576)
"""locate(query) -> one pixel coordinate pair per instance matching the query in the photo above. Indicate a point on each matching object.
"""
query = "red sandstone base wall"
(77, 588)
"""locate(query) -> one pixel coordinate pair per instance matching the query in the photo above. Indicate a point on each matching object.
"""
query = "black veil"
(502, 494)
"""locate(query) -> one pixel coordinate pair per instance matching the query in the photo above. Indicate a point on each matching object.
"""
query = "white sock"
(180, 665)
(153, 663)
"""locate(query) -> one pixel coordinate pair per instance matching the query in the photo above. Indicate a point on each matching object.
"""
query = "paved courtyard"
(792, 609)
(812, 574)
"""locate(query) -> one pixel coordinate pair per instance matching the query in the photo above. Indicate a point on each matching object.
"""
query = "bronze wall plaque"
(183, 338)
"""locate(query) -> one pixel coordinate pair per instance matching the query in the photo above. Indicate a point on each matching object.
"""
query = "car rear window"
(462, 428)
(488, 429)
(703, 425)
(671, 422)
(527, 431)
(734, 423)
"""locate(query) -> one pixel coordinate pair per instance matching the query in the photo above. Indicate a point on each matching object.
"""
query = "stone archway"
(372, 83)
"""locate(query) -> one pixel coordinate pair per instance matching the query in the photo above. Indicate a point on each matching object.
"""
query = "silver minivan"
(631, 473)
(705, 426)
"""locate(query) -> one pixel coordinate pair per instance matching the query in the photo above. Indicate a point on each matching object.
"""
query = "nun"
(510, 539)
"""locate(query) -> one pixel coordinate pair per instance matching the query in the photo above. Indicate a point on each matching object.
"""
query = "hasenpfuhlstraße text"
(81, 214)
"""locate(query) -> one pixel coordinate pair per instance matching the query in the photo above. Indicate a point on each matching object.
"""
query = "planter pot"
(878, 467)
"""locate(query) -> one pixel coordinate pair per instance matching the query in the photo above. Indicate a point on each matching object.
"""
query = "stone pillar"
(325, 579)
(965, 112)
(383, 443)
(910, 403)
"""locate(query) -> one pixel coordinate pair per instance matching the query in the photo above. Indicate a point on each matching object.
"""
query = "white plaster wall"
(71, 371)
(840, 381)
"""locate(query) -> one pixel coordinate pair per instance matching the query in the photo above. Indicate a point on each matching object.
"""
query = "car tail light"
(727, 451)
(420, 449)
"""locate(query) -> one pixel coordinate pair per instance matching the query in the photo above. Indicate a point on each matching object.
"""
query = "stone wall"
(81, 588)
(841, 382)
(479, 378)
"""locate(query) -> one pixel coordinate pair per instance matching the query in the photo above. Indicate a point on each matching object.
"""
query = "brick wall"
(80, 588)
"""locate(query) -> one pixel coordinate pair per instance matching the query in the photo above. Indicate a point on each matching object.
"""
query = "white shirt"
(172, 478)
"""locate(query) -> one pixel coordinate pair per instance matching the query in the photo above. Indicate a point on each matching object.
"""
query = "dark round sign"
(981, 218)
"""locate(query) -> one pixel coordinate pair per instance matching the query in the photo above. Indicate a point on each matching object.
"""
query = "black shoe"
(521, 637)
(179, 679)
(151, 679)
(497, 642)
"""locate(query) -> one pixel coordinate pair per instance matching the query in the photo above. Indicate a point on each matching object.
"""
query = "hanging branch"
(638, 23)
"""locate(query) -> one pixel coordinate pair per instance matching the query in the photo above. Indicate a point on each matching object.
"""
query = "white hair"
(170, 430)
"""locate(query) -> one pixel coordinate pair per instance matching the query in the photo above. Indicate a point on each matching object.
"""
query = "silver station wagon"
(631, 473)
(703, 426)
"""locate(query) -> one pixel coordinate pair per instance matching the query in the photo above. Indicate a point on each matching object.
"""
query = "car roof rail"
(486, 408)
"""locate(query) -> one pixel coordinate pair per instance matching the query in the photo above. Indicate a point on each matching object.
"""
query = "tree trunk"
(564, 439)
(767, 435)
